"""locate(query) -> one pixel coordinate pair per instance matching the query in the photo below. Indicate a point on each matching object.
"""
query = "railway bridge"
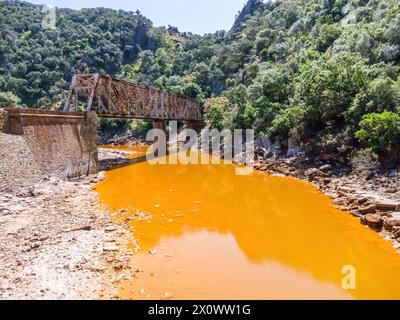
(64, 142)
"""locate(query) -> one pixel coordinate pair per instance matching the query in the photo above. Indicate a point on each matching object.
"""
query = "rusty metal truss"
(114, 98)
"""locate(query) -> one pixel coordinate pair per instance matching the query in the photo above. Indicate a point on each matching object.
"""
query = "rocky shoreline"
(375, 199)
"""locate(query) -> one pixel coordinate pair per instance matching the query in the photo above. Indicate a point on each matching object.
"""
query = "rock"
(110, 246)
(373, 221)
(153, 252)
(362, 200)
(367, 210)
(312, 173)
(167, 295)
(110, 229)
(293, 148)
(386, 205)
(338, 202)
(391, 223)
(263, 142)
(391, 190)
(392, 174)
(325, 168)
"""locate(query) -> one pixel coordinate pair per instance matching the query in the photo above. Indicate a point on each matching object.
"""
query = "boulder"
(386, 205)
(325, 168)
(313, 173)
(293, 148)
(373, 221)
(367, 210)
(263, 142)
(392, 222)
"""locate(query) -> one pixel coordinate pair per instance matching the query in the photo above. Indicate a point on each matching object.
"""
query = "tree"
(219, 112)
(381, 131)
(328, 88)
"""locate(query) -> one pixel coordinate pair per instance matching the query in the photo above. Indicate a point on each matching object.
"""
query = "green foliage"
(289, 122)
(309, 70)
(381, 94)
(381, 131)
(328, 88)
(36, 63)
(218, 111)
(113, 126)
(9, 100)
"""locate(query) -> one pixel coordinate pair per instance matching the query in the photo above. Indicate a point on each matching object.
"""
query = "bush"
(381, 131)
(9, 100)
(380, 95)
(218, 111)
(111, 127)
(328, 89)
(289, 122)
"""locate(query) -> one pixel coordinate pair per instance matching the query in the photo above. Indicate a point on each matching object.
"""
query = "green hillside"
(323, 72)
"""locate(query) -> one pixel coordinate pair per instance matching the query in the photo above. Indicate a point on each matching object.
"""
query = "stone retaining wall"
(62, 143)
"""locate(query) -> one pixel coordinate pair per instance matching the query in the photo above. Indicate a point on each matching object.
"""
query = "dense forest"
(323, 72)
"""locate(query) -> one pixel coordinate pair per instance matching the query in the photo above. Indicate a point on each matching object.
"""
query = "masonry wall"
(62, 143)
(3, 121)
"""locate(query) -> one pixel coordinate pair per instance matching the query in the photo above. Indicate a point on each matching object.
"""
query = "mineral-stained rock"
(311, 174)
(367, 210)
(325, 168)
(391, 223)
(386, 205)
(373, 221)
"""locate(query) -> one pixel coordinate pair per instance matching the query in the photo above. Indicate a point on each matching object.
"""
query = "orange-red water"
(215, 235)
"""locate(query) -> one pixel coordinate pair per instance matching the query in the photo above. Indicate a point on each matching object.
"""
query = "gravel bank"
(58, 242)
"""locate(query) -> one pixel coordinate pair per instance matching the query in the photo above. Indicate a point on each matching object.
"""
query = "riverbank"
(57, 241)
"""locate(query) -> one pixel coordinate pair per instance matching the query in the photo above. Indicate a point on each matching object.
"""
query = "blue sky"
(197, 16)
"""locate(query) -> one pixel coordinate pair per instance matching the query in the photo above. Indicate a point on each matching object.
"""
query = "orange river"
(211, 234)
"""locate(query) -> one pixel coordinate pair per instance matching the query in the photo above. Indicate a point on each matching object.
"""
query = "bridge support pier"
(63, 144)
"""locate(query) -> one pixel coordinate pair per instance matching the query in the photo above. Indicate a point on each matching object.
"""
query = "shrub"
(381, 131)
(289, 122)
(380, 95)
(328, 88)
(9, 100)
(218, 111)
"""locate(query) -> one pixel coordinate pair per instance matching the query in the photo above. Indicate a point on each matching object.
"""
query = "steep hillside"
(323, 72)
(36, 64)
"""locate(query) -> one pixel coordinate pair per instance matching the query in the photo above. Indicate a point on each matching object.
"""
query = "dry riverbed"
(57, 242)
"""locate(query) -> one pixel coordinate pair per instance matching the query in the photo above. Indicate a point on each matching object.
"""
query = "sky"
(196, 16)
